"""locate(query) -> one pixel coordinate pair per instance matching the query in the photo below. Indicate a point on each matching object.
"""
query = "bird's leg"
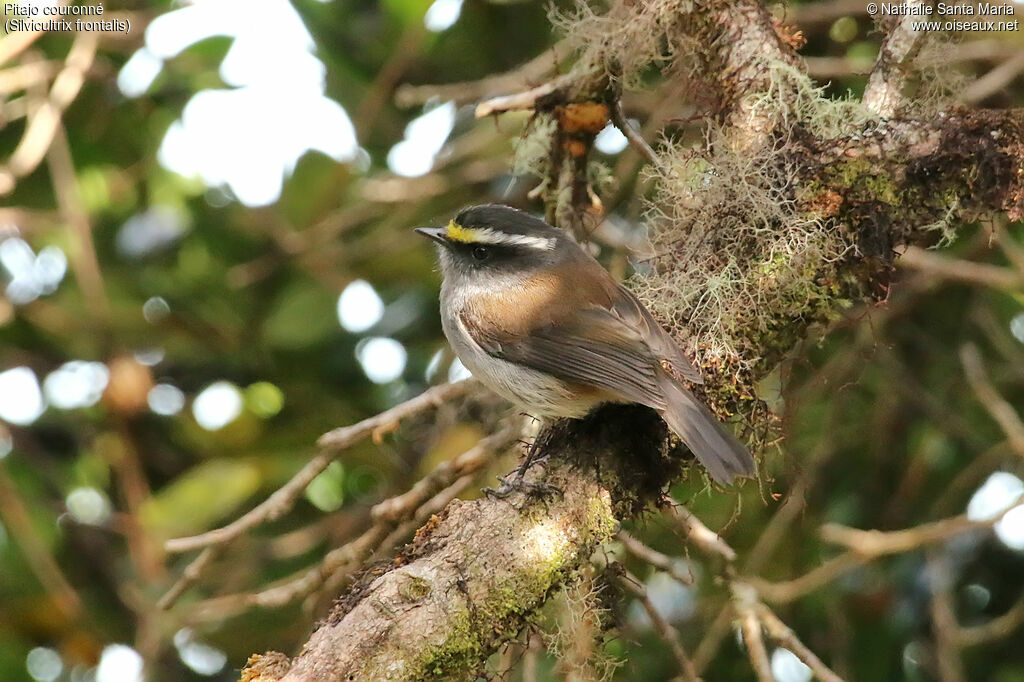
(519, 482)
(531, 455)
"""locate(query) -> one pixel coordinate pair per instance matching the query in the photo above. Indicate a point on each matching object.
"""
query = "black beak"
(435, 233)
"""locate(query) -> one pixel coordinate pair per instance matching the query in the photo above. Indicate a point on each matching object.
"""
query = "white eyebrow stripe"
(487, 235)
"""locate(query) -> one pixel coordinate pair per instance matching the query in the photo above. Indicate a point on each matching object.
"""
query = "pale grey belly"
(538, 394)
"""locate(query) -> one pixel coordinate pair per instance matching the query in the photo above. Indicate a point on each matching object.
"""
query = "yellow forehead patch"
(457, 233)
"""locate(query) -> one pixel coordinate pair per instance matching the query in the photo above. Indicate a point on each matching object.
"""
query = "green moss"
(862, 179)
(478, 627)
(414, 588)
(459, 653)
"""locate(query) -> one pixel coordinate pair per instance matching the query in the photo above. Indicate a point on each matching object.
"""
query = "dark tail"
(722, 455)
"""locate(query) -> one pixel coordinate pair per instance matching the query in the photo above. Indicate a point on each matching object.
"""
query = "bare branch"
(17, 518)
(875, 543)
(997, 628)
(944, 624)
(781, 633)
(632, 585)
(884, 91)
(995, 80)
(44, 119)
(332, 444)
(790, 590)
(192, 573)
(634, 137)
(531, 72)
(414, 507)
(655, 558)
(84, 260)
(745, 602)
(1002, 411)
(402, 506)
(700, 535)
(520, 101)
(969, 272)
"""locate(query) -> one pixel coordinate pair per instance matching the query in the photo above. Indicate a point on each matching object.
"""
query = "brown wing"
(662, 345)
(580, 327)
(595, 349)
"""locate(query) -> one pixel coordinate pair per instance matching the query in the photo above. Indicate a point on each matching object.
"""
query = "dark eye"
(481, 253)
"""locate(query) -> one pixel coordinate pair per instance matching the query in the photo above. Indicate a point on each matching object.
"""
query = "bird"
(538, 320)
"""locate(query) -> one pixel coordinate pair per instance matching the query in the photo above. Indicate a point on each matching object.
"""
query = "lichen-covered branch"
(476, 571)
(470, 579)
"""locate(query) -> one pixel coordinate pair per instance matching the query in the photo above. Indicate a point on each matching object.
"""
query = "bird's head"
(494, 240)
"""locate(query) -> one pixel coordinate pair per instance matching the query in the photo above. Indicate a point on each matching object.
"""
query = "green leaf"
(302, 315)
(201, 497)
(327, 491)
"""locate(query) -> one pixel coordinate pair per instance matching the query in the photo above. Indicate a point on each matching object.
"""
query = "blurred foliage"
(882, 431)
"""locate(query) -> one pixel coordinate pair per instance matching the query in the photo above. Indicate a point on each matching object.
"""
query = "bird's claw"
(518, 484)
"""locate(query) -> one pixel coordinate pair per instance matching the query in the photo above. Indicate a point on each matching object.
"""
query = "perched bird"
(538, 320)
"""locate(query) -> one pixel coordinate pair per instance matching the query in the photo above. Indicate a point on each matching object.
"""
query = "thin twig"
(332, 444)
(44, 121)
(446, 482)
(655, 558)
(84, 261)
(995, 80)
(293, 587)
(632, 585)
(469, 462)
(790, 590)
(827, 68)
(744, 601)
(189, 576)
(772, 535)
(997, 406)
(781, 633)
(1013, 251)
(634, 137)
(15, 43)
(700, 535)
(531, 72)
(930, 263)
(518, 101)
(713, 636)
(944, 623)
(333, 569)
(997, 628)
(37, 556)
(875, 543)
(777, 531)
(26, 75)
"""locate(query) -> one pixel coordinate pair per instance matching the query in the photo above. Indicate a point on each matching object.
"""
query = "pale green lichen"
(575, 636)
(747, 250)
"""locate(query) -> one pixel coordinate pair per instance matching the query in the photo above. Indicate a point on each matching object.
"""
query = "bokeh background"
(206, 262)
